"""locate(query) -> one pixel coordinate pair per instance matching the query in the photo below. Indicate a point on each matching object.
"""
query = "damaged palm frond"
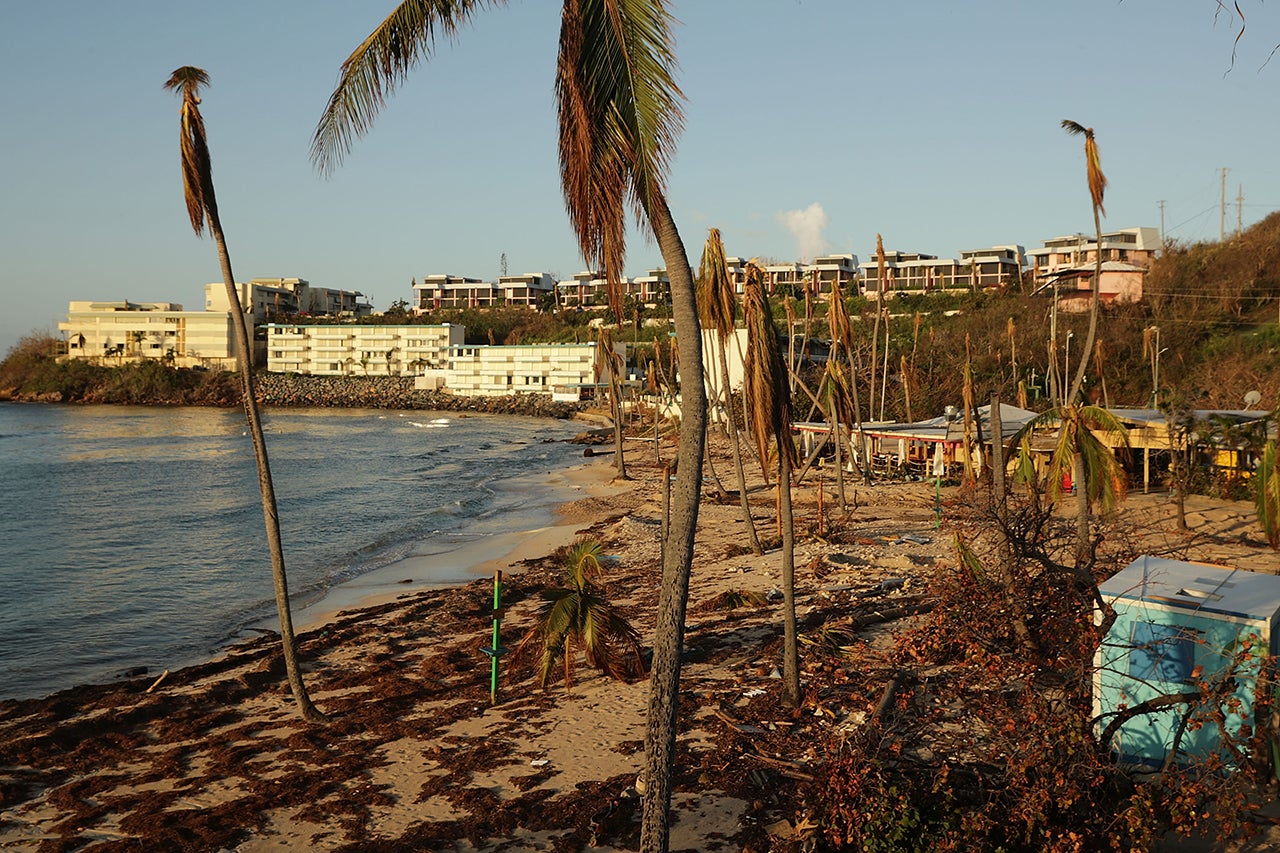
(766, 387)
(620, 115)
(197, 166)
(1093, 163)
(382, 62)
(735, 599)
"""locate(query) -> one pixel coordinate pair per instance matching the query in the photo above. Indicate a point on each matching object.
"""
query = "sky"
(810, 127)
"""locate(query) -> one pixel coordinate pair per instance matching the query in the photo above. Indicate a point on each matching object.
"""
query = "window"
(1162, 652)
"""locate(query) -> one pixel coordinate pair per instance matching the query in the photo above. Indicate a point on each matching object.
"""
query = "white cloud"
(807, 226)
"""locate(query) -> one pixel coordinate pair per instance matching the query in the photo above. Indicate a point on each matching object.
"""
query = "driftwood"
(156, 683)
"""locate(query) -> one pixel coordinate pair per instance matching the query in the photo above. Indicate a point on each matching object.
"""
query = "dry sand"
(415, 756)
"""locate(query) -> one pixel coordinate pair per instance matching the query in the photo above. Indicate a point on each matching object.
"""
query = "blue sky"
(934, 123)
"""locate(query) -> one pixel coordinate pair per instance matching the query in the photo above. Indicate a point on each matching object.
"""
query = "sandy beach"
(415, 757)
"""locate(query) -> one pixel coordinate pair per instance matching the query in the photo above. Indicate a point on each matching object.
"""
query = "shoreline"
(468, 561)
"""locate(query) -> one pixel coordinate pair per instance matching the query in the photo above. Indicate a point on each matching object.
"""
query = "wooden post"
(821, 515)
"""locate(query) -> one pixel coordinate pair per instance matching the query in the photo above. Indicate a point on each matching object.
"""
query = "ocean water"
(133, 536)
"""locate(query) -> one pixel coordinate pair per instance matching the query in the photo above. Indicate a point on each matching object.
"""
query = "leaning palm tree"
(1095, 472)
(619, 112)
(717, 306)
(202, 207)
(1097, 186)
(578, 615)
(770, 405)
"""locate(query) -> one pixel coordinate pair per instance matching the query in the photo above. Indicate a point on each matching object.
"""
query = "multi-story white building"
(336, 350)
(527, 289)
(1067, 264)
(917, 272)
(118, 332)
(585, 288)
(444, 290)
(272, 298)
(565, 371)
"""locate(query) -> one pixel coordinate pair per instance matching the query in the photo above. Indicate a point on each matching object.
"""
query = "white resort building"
(346, 349)
(120, 332)
(565, 371)
(272, 298)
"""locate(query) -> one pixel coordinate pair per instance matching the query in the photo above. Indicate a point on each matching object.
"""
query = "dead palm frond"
(768, 400)
(1093, 164)
(717, 302)
(197, 167)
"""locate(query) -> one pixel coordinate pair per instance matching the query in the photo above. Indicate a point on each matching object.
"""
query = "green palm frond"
(620, 115)
(579, 615)
(1267, 493)
(197, 166)
(1077, 433)
(717, 302)
(584, 562)
(381, 62)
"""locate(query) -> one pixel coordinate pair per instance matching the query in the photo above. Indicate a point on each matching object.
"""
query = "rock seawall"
(395, 392)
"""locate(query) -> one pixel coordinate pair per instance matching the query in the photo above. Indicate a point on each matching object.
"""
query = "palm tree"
(608, 364)
(770, 404)
(202, 207)
(1097, 186)
(578, 615)
(1266, 494)
(1096, 474)
(619, 116)
(717, 305)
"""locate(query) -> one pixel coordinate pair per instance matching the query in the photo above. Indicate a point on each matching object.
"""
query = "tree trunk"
(1093, 313)
(791, 647)
(732, 427)
(244, 344)
(1082, 507)
(615, 400)
(677, 558)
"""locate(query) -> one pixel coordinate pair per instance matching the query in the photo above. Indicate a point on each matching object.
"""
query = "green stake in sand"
(496, 651)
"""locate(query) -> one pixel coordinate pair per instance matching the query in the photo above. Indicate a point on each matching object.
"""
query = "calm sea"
(133, 537)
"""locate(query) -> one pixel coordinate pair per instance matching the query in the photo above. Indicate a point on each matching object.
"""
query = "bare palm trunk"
(791, 648)
(615, 397)
(1082, 507)
(1093, 312)
(270, 514)
(734, 444)
(677, 558)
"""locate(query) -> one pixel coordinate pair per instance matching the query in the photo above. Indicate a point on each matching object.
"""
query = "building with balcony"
(919, 273)
(527, 290)
(1066, 265)
(275, 298)
(347, 349)
(121, 332)
(564, 371)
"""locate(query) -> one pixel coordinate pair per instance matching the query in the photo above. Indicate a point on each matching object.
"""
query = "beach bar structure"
(1180, 625)
(923, 449)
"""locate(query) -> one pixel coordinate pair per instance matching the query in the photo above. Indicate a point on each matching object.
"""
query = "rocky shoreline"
(339, 392)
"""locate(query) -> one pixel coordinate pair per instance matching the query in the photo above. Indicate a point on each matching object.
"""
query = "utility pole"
(1239, 209)
(1164, 245)
(1222, 209)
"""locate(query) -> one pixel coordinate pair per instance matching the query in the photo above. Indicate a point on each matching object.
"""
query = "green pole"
(497, 628)
(937, 504)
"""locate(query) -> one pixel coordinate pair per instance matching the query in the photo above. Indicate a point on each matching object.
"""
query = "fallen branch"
(156, 683)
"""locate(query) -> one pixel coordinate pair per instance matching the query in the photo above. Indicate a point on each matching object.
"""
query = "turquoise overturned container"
(1183, 628)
